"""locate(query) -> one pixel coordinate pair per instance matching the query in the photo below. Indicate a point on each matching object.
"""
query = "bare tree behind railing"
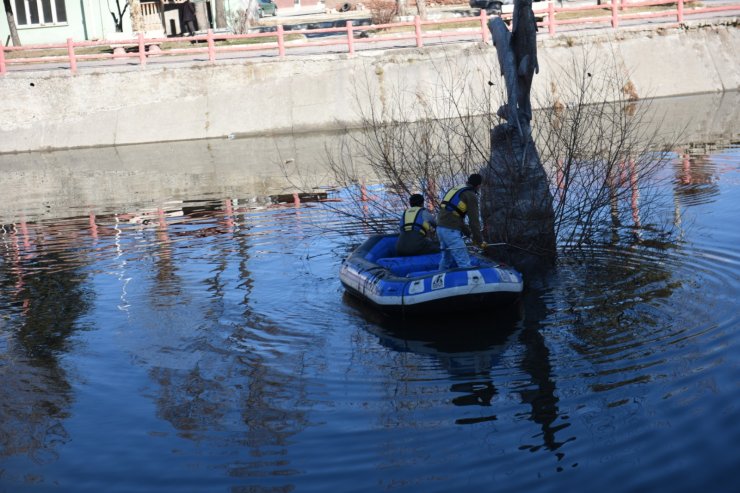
(118, 14)
(421, 8)
(220, 14)
(11, 23)
(403, 7)
(241, 20)
(382, 11)
(137, 18)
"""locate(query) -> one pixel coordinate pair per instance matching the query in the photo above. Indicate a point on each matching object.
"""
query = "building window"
(39, 12)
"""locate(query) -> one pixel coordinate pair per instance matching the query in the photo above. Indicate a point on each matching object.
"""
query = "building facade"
(53, 21)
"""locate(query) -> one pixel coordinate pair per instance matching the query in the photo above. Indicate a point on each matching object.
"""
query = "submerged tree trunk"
(517, 205)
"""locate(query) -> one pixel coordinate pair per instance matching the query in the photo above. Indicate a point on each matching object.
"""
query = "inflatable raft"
(375, 274)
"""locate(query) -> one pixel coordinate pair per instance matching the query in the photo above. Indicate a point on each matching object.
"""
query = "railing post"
(431, 191)
(679, 14)
(484, 25)
(615, 14)
(2, 60)
(551, 17)
(559, 177)
(417, 29)
(350, 38)
(142, 50)
(635, 199)
(211, 46)
(685, 168)
(93, 225)
(281, 41)
(71, 53)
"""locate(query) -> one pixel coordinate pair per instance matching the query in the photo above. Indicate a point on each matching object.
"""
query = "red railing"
(348, 39)
(617, 12)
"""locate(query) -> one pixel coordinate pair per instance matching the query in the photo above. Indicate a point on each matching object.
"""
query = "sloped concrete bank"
(195, 100)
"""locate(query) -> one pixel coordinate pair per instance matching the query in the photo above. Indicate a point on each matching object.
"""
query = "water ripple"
(214, 333)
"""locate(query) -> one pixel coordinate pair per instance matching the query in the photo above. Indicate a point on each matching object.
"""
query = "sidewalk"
(317, 14)
(301, 11)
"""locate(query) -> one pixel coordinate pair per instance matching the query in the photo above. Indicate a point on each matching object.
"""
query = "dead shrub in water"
(603, 150)
(600, 150)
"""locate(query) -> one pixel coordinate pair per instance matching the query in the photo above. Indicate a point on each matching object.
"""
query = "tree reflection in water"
(696, 177)
(231, 383)
(46, 295)
(239, 358)
(470, 349)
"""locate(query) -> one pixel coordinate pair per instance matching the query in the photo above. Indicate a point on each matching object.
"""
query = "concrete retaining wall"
(125, 105)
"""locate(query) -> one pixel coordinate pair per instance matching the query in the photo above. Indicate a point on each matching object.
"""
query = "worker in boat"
(417, 229)
(457, 204)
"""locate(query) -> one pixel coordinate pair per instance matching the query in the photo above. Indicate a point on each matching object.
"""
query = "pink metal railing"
(345, 40)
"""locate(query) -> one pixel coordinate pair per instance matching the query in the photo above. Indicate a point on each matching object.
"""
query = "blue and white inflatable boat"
(375, 274)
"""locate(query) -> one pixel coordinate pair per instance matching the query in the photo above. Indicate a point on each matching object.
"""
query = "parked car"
(267, 7)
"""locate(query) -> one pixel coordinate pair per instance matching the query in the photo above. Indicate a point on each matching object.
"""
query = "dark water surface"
(193, 339)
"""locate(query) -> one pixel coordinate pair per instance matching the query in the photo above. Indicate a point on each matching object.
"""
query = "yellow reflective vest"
(412, 219)
(452, 200)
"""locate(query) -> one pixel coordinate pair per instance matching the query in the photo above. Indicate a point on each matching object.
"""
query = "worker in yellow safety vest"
(416, 229)
(457, 204)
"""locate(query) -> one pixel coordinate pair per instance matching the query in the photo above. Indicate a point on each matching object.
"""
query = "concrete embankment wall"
(111, 105)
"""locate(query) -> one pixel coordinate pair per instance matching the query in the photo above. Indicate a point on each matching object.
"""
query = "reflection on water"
(201, 338)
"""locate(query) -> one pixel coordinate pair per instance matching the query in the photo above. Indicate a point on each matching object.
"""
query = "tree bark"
(201, 15)
(518, 205)
(161, 16)
(402, 7)
(137, 19)
(421, 6)
(11, 23)
(220, 14)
